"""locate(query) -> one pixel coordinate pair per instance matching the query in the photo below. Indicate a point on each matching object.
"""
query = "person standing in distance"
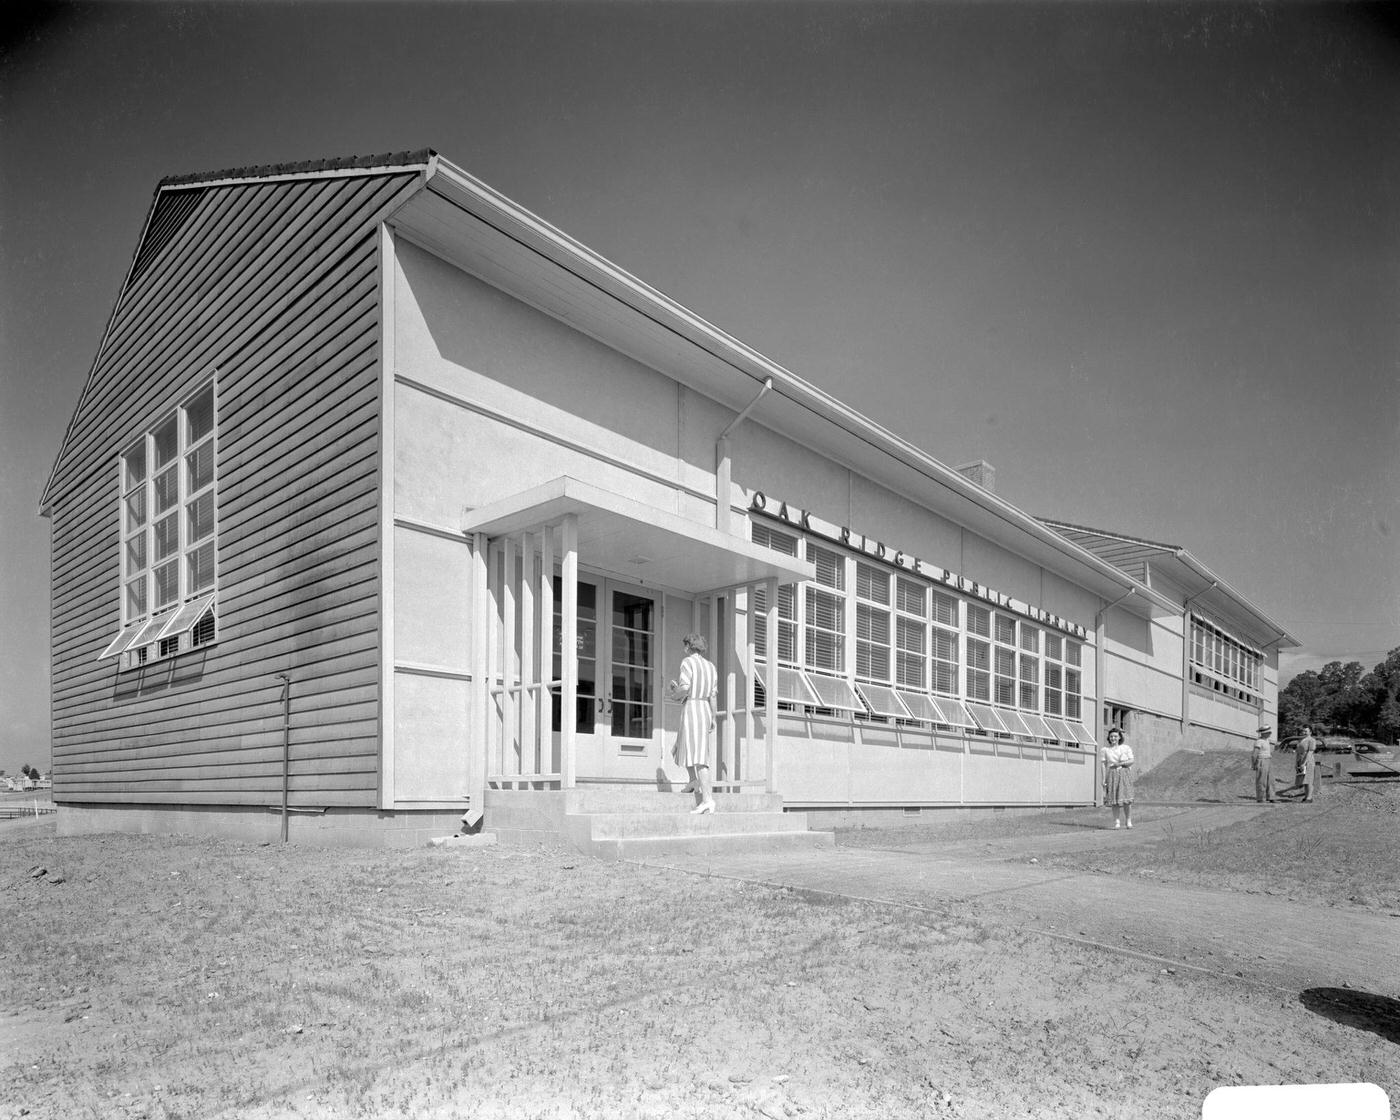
(1118, 778)
(1262, 758)
(695, 687)
(1303, 763)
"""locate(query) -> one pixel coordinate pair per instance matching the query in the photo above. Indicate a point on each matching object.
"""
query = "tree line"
(1344, 699)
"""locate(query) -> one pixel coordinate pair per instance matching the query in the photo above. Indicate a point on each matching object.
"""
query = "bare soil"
(166, 977)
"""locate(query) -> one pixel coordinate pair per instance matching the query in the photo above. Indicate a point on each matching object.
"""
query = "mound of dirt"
(1223, 777)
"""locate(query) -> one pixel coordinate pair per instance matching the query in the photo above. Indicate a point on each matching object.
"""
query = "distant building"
(370, 425)
(1211, 690)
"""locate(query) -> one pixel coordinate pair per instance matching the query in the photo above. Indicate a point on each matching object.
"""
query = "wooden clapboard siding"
(275, 286)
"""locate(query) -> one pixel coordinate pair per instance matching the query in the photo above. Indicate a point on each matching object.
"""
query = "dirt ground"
(175, 977)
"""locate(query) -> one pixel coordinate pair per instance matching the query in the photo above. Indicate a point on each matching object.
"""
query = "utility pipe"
(722, 462)
(286, 745)
(1100, 629)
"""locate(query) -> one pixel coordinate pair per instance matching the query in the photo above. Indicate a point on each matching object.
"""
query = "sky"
(1142, 258)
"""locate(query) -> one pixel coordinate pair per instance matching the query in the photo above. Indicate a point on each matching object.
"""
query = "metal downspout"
(1100, 629)
(1186, 655)
(286, 745)
(722, 464)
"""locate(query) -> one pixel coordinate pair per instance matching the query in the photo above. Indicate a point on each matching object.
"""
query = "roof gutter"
(1283, 638)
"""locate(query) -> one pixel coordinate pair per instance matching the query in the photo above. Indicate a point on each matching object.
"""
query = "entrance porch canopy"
(517, 542)
(636, 541)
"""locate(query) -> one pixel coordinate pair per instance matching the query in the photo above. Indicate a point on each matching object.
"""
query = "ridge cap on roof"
(1055, 523)
(302, 167)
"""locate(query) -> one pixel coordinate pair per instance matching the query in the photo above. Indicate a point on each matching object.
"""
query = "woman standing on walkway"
(1118, 778)
(696, 688)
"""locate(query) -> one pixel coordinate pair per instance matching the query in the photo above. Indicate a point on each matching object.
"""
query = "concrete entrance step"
(645, 799)
(636, 822)
(710, 844)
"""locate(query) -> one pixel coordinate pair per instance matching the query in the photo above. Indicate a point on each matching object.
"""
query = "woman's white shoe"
(703, 807)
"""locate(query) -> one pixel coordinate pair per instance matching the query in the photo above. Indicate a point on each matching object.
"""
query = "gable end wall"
(275, 287)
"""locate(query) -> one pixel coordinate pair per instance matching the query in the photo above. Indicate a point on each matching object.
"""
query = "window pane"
(167, 536)
(979, 620)
(201, 567)
(945, 610)
(135, 553)
(872, 584)
(136, 597)
(1006, 630)
(1072, 653)
(1030, 638)
(770, 538)
(831, 569)
(167, 489)
(911, 635)
(167, 583)
(199, 467)
(872, 624)
(1052, 646)
(911, 596)
(199, 518)
(167, 442)
(136, 509)
(199, 416)
(134, 466)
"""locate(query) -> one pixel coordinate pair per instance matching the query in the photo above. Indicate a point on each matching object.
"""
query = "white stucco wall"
(491, 397)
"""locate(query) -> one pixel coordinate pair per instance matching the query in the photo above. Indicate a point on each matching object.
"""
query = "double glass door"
(617, 713)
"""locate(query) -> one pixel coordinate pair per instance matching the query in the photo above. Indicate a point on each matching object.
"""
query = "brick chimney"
(981, 472)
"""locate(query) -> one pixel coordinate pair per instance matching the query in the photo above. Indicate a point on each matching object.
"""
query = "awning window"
(1081, 734)
(882, 701)
(1039, 728)
(921, 706)
(987, 718)
(955, 712)
(1014, 723)
(833, 692)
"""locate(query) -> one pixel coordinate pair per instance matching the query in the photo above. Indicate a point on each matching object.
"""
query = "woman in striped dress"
(1118, 777)
(696, 688)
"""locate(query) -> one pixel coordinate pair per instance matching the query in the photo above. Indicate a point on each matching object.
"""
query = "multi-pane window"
(911, 661)
(824, 631)
(167, 511)
(787, 601)
(943, 644)
(1222, 663)
(912, 651)
(873, 616)
(1004, 681)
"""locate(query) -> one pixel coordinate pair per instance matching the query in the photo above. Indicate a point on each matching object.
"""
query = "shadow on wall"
(1363, 1010)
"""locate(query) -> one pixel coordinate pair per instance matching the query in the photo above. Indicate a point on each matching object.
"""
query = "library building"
(386, 506)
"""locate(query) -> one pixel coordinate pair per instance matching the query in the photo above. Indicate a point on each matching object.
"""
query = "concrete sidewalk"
(1259, 938)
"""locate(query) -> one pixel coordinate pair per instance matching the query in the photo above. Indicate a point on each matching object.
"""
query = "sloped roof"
(469, 223)
(152, 232)
(1203, 585)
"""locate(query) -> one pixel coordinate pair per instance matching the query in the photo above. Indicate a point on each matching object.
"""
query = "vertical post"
(509, 645)
(529, 678)
(568, 653)
(493, 645)
(478, 740)
(745, 651)
(1185, 670)
(544, 721)
(770, 694)
(723, 733)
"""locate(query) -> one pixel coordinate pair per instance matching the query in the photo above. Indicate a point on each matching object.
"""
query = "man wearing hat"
(1262, 759)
